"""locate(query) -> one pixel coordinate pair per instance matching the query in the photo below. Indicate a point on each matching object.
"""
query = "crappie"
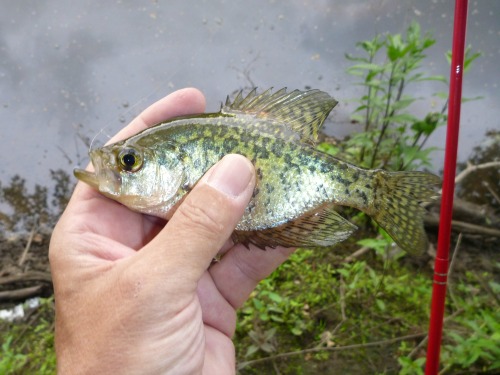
(297, 187)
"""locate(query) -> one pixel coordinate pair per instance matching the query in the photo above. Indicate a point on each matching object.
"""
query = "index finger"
(239, 271)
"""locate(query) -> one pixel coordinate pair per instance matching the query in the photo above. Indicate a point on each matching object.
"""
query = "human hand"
(136, 296)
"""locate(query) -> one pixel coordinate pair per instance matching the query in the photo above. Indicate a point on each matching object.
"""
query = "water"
(70, 69)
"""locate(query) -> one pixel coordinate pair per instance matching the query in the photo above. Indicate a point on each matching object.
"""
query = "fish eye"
(130, 160)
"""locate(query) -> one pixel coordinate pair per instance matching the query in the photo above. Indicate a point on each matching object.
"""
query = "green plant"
(411, 367)
(354, 304)
(11, 361)
(281, 309)
(28, 347)
(471, 334)
(392, 136)
(477, 341)
(473, 341)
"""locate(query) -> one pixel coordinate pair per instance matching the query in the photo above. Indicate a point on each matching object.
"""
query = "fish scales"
(298, 188)
(291, 179)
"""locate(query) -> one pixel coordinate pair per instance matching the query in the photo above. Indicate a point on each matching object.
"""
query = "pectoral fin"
(321, 227)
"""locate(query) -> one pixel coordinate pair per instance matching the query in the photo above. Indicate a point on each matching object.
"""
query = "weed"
(28, 348)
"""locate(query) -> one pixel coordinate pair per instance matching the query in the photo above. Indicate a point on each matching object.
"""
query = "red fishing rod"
(450, 163)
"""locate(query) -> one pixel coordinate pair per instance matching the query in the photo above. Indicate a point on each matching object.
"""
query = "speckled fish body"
(297, 188)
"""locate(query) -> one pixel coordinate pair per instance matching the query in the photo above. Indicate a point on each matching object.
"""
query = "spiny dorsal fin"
(303, 111)
(321, 227)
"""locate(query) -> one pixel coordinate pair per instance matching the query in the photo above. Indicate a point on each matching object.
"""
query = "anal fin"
(322, 227)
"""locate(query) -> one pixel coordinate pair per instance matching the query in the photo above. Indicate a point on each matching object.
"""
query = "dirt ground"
(24, 267)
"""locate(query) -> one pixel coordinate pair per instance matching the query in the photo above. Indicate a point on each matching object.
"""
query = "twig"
(247, 70)
(30, 319)
(27, 276)
(18, 294)
(276, 369)
(492, 192)
(28, 245)
(462, 226)
(472, 168)
(342, 306)
(468, 211)
(385, 123)
(324, 308)
(417, 348)
(422, 343)
(342, 298)
(332, 349)
(452, 265)
(64, 153)
(356, 254)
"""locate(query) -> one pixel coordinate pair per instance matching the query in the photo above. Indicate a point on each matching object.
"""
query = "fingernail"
(231, 175)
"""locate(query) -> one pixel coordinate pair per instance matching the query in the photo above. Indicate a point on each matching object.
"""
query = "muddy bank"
(25, 270)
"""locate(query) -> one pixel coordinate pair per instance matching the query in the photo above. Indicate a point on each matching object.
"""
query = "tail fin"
(397, 208)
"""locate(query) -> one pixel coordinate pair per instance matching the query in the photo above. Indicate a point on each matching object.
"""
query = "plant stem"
(385, 124)
(368, 112)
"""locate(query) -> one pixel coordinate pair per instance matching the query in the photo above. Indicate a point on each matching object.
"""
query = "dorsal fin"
(303, 111)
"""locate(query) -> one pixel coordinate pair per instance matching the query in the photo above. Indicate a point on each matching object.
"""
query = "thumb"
(204, 221)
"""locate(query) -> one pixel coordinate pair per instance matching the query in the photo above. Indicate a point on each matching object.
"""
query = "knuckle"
(251, 270)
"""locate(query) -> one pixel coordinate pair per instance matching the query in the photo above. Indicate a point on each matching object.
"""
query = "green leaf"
(448, 56)
(258, 304)
(254, 336)
(328, 148)
(372, 243)
(491, 345)
(247, 310)
(380, 304)
(469, 58)
(401, 118)
(371, 46)
(365, 66)
(357, 118)
(344, 272)
(350, 57)
(275, 309)
(428, 125)
(361, 108)
(441, 94)
(275, 297)
(252, 349)
(376, 84)
(403, 103)
(267, 347)
(270, 333)
(277, 319)
(465, 100)
(438, 78)
(396, 48)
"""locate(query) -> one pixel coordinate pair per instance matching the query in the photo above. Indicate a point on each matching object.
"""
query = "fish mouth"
(89, 178)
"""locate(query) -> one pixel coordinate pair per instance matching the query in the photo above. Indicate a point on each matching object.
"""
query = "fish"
(298, 190)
